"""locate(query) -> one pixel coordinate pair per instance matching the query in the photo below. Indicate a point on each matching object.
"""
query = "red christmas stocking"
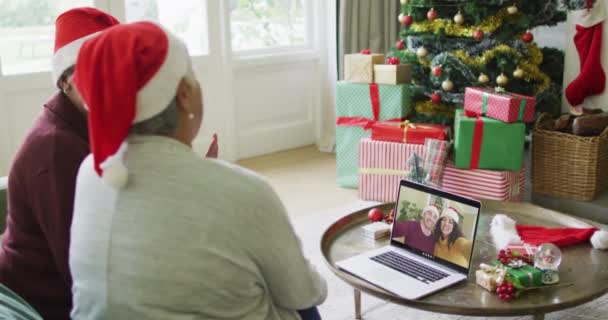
(592, 79)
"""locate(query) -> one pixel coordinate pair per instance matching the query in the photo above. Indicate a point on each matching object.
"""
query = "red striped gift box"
(382, 165)
(485, 184)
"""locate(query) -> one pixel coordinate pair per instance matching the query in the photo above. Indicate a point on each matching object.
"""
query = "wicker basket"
(568, 166)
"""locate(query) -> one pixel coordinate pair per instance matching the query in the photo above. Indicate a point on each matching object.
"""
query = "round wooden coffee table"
(583, 272)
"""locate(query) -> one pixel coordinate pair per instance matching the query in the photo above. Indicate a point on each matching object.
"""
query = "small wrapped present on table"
(407, 132)
(359, 67)
(525, 277)
(500, 105)
(490, 277)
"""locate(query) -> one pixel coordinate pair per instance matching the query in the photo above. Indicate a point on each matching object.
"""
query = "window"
(259, 24)
(27, 28)
(186, 18)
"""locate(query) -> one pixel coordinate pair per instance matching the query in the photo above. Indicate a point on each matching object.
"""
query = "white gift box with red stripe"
(382, 165)
(485, 184)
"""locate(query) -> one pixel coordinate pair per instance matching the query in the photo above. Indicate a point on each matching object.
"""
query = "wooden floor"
(304, 178)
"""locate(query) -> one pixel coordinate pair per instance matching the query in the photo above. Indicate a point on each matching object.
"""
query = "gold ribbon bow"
(407, 124)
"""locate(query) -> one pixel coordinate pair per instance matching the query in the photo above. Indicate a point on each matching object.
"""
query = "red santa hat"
(72, 29)
(126, 75)
(433, 209)
(505, 231)
(452, 213)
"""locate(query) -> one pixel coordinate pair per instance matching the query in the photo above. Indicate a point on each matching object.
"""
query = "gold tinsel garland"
(530, 65)
(451, 28)
(427, 107)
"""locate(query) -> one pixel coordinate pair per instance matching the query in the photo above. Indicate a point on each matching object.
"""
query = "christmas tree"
(454, 44)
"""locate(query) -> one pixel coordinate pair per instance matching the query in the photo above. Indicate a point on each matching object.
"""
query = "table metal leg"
(358, 304)
(540, 316)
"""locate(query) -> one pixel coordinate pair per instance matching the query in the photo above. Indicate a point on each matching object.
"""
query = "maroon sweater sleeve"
(55, 199)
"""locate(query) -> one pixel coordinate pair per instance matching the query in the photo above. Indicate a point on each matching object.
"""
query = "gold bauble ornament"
(512, 9)
(400, 18)
(483, 78)
(459, 18)
(518, 73)
(404, 2)
(502, 80)
(422, 52)
(447, 85)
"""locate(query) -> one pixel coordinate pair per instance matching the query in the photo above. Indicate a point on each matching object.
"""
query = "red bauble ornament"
(400, 45)
(391, 217)
(437, 71)
(408, 20)
(478, 35)
(375, 215)
(393, 61)
(366, 51)
(436, 98)
(527, 37)
(432, 14)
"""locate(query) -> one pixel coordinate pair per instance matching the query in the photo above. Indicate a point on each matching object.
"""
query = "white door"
(260, 62)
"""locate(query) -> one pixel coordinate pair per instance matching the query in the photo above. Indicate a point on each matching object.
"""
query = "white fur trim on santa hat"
(114, 170)
(433, 209)
(588, 18)
(158, 92)
(452, 213)
(599, 240)
(66, 56)
(503, 231)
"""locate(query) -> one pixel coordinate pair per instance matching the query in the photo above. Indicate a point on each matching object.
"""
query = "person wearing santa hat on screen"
(158, 231)
(34, 252)
(450, 243)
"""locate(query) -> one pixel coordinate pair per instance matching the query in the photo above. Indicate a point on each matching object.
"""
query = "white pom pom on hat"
(125, 91)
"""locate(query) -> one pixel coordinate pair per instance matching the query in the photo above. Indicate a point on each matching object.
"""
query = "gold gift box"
(360, 67)
(393, 74)
(488, 281)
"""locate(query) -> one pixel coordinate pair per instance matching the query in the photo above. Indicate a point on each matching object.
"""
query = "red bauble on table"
(436, 98)
(400, 45)
(437, 71)
(432, 14)
(393, 61)
(366, 51)
(478, 35)
(375, 215)
(408, 20)
(527, 37)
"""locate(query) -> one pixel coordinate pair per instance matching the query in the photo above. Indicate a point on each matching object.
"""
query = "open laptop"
(418, 262)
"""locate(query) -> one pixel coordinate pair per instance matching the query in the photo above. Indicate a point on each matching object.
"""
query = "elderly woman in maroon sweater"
(35, 244)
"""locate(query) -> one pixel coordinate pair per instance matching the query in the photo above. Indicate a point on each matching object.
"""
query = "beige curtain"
(367, 24)
(361, 24)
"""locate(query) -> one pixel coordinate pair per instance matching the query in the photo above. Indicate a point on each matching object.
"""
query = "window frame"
(304, 48)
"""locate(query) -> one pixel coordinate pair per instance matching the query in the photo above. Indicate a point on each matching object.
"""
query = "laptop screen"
(435, 224)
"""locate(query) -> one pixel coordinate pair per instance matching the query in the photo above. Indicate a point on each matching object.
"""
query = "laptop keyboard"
(409, 267)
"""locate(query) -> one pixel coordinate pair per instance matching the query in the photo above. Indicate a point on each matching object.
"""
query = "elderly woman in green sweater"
(450, 244)
(158, 231)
